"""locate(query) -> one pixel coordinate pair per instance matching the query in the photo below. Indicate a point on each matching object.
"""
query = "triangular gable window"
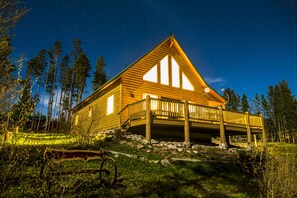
(164, 70)
(151, 75)
(175, 73)
(186, 83)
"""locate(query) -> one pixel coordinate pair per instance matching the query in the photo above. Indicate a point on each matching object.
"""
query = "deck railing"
(175, 110)
(198, 112)
(151, 111)
(167, 109)
(234, 118)
(255, 121)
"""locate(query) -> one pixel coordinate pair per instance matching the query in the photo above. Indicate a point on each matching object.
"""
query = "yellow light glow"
(186, 83)
(151, 75)
(175, 73)
(164, 70)
(110, 102)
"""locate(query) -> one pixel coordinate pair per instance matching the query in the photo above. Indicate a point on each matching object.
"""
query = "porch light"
(225, 91)
(206, 90)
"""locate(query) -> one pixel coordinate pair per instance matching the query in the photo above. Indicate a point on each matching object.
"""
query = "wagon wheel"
(108, 173)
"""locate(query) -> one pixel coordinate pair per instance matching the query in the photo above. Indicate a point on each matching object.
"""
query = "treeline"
(52, 80)
(62, 79)
(278, 107)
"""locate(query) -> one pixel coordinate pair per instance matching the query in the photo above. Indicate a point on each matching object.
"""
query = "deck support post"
(264, 140)
(148, 118)
(187, 123)
(223, 143)
(255, 139)
(248, 130)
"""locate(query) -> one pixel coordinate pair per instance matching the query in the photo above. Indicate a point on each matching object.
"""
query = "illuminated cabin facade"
(162, 94)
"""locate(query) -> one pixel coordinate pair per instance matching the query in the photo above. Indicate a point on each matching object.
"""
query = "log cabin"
(163, 95)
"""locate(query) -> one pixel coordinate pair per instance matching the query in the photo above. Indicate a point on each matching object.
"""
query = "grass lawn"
(143, 176)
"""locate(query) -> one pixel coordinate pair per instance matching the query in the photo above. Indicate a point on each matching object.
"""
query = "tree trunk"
(70, 100)
(33, 125)
(43, 97)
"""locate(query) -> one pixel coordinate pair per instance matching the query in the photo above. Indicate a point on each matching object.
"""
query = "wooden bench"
(53, 157)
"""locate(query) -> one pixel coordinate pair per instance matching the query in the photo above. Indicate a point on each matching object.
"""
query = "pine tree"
(82, 68)
(233, 100)
(22, 110)
(54, 54)
(244, 103)
(99, 75)
(288, 110)
(36, 67)
(256, 104)
(76, 51)
(64, 80)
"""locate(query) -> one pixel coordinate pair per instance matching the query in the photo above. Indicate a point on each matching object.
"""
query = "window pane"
(151, 75)
(186, 83)
(110, 102)
(164, 71)
(175, 73)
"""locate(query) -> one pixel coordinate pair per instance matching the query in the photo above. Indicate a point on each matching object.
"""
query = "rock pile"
(154, 145)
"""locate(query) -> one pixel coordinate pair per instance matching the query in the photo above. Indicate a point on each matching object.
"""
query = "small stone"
(196, 152)
(154, 141)
(116, 156)
(140, 146)
(172, 146)
(145, 141)
(148, 151)
(174, 152)
(142, 159)
(188, 151)
(123, 142)
(180, 149)
(156, 162)
(165, 161)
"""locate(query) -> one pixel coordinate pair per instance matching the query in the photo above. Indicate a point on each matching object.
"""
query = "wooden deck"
(152, 114)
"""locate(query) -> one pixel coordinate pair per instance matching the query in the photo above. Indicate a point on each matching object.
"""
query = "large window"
(164, 70)
(175, 73)
(151, 75)
(176, 80)
(186, 83)
(110, 104)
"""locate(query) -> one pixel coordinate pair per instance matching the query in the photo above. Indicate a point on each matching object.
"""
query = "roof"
(174, 41)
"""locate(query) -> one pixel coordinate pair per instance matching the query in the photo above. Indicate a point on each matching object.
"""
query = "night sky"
(243, 45)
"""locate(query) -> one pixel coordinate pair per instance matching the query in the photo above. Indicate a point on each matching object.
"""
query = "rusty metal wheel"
(108, 173)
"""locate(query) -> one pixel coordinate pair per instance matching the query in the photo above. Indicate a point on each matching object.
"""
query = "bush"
(278, 176)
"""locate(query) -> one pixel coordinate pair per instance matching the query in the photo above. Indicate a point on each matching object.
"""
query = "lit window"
(175, 73)
(76, 120)
(90, 111)
(151, 75)
(110, 101)
(186, 83)
(164, 71)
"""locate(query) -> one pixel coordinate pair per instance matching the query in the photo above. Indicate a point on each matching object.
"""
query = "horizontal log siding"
(99, 120)
(134, 86)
